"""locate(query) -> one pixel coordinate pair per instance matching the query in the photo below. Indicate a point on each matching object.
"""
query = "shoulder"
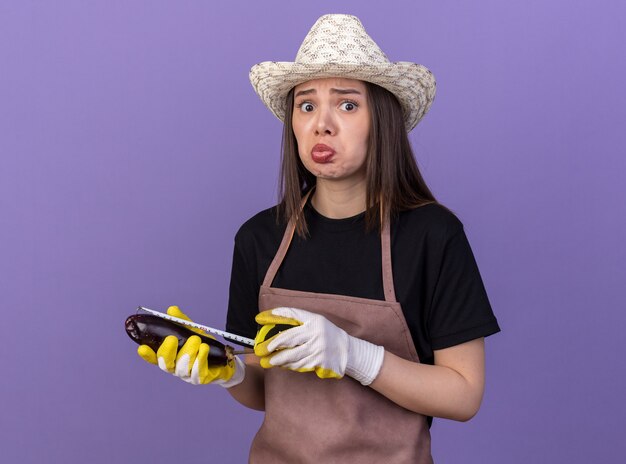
(262, 226)
(433, 219)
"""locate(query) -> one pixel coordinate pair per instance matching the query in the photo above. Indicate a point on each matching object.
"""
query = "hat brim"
(413, 84)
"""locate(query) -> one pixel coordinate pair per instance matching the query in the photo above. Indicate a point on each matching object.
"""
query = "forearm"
(436, 391)
(251, 391)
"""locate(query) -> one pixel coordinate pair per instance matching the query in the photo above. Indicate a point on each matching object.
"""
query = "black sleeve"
(460, 309)
(243, 293)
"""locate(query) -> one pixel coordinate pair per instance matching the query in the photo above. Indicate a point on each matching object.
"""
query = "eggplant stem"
(244, 351)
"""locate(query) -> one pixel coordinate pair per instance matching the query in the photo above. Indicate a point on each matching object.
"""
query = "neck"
(338, 201)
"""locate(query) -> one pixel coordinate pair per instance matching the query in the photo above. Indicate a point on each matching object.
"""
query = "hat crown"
(339, 39)
(338, 46)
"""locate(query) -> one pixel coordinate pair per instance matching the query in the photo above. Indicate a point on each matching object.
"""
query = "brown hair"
(392, 174)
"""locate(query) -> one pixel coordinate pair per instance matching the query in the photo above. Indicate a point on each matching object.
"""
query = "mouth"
(322, 153)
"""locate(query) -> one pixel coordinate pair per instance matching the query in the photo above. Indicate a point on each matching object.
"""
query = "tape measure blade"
(243, 341)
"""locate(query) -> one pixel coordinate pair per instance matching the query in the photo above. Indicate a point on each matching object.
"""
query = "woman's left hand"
(315, 344)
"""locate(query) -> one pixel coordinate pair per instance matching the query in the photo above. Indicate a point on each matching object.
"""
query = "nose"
(325, 124)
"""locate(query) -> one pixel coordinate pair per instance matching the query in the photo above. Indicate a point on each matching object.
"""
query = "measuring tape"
(243, 341)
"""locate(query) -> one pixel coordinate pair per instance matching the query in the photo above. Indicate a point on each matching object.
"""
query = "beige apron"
(325, 421)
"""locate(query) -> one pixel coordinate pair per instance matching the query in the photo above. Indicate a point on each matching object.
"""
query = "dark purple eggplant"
(146, 329)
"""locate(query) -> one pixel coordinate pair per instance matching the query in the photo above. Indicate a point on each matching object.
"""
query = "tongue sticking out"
(322, 156)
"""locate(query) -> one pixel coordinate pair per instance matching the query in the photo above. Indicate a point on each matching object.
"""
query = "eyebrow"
(339, 91)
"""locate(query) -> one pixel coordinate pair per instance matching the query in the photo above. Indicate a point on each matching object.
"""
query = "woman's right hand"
(190, 362)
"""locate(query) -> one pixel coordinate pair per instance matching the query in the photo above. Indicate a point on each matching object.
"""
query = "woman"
(373, 283)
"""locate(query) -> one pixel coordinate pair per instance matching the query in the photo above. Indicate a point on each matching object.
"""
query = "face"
(331, 123)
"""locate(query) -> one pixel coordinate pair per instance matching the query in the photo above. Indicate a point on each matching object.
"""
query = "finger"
(187, 356)
(261, 341)
(219, 372)
(293, 313)
(147, 354)
(202, 373)
(199, 371)
(269, 317)
(324, 373)
(285, 339)
(176, 312)
(289, 338)
(223, 372)
(297, 357)
(166, 354)
(266, 362)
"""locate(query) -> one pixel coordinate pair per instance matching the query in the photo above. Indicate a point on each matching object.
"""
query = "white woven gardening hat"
(338, 46)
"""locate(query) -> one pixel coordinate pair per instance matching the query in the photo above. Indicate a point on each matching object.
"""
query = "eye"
(306, 107)
(349, 105)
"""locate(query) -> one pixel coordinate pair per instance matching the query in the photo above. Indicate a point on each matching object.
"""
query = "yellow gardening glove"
(311, 343)
(190, 362)
(271, 327)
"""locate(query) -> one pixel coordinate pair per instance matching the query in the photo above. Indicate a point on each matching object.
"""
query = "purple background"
(132, 147)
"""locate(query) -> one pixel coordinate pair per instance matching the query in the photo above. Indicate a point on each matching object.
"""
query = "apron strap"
(284, 246)
(385, 244)
(385, 241)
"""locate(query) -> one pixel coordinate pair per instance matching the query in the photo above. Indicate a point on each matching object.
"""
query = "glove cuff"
(237, 377)
(364, 360)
